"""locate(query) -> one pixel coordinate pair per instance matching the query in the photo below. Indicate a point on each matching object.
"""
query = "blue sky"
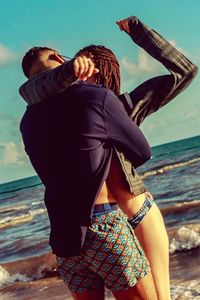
(71, 25)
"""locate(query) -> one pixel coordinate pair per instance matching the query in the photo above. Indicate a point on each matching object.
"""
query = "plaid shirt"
(142, 101)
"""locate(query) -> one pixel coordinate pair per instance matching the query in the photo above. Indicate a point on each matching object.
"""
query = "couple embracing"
(83, 139)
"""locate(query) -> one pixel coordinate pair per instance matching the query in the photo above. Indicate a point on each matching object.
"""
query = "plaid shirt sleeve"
(158, 91)
(48, 83)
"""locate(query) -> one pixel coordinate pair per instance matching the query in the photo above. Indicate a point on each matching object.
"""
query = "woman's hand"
(124, 25)
(84, 67)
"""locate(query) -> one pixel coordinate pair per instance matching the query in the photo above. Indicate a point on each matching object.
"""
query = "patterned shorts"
(111, 255)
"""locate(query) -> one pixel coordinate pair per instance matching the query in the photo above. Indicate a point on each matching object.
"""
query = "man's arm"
(124, 134)
(48, 83)
(158, 91)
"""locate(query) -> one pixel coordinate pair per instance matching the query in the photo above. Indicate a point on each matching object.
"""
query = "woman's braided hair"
(107, 63)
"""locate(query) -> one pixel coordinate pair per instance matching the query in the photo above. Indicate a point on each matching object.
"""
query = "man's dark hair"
(107, 63)
(30, 57)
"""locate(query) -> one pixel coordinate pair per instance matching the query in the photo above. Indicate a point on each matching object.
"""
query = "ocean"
(27, 267)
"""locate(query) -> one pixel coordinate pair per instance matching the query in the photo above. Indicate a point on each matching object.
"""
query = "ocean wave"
(12, 221)
(179, 207)
(5, 277)
(28, 269)
(173, 151)
(13, 208)
(37, 202)
(186, 290)
(20, 188)
(38, 211)
(185, 238)
(167, 168)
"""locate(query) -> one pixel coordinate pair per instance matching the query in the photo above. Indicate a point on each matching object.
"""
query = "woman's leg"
(152, 234)
(151, 230)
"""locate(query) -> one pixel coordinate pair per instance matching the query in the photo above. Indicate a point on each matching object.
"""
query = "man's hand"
(123, 25)
(84, 68)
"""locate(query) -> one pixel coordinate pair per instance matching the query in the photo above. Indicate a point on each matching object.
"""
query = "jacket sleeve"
(123, 134)
(158, 91)
(45, 84)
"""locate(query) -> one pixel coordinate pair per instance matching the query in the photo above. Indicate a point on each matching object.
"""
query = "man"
(70, 141)
(141, 102)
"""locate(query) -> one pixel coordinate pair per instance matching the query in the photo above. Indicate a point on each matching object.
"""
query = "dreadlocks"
(105, 60)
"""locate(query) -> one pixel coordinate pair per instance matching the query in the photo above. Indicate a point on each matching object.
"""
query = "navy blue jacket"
(70, 140)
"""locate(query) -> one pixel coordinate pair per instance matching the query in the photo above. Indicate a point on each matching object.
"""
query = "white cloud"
(10, 154)
(6, 55)
(145, 65)
(143, 68)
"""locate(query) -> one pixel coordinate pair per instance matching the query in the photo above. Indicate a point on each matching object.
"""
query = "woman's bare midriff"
(115, 189)
(105, 196)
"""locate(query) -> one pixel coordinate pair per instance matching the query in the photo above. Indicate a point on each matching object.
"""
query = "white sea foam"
(186, 290)
(11, 221)
(5, 278)
(38, 211)
(167, 168)
(185, 239)
(37, 202)
(13, 208)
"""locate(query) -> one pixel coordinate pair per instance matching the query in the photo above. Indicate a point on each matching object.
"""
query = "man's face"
(47, 59)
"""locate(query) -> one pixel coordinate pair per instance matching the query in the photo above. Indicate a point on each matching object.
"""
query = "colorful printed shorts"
(111, 255)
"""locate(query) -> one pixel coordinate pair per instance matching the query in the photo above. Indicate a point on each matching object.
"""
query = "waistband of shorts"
(104, 208)
(99, 208)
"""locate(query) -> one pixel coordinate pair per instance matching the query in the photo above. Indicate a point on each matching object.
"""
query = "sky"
(70, 25)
